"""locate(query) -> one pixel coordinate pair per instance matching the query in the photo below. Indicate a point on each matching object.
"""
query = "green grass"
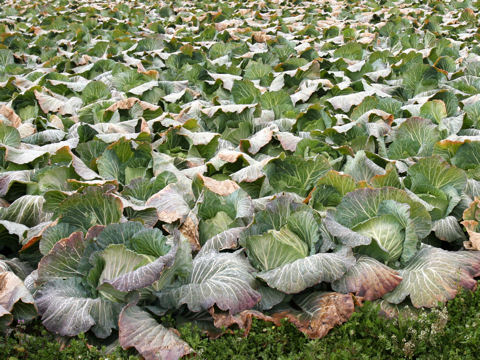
(449, 332)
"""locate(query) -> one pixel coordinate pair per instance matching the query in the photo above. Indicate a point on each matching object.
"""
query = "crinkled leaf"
(434, 275)
(295, 174)
(67, 309)
(222, 279)
(64, 259)
(92, 207)
(27, 210)
(53, 234)
(306, 272)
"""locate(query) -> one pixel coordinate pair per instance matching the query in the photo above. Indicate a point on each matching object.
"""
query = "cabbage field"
(221, 161)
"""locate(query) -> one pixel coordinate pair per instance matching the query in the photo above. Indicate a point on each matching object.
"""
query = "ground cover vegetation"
(448, 332)
(172, 164)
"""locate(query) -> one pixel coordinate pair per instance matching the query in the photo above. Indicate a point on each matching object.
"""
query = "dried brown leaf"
(10, 114)
(321, 313)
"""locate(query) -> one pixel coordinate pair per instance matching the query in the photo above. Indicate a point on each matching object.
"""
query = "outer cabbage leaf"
(368, 278)
(303, 273)
(222, 279)
(434, 275)
(137, 328)
(414, 137)
(295, 174)
(27, 210)
(64, 259)
(53, 234)
(68, 310)
(92, 207)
